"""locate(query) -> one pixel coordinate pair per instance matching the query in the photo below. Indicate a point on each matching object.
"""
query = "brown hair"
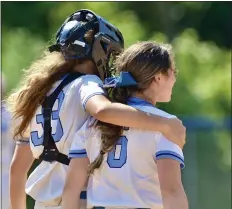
(35, 84)
(143, 60)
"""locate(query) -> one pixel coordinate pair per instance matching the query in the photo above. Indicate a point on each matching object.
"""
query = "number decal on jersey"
(118, 162)
(36, 140)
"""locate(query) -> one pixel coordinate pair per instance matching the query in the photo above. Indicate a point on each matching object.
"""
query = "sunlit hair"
(36, 83)
(143, 60)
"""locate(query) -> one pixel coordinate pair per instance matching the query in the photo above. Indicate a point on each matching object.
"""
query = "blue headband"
(123, 80)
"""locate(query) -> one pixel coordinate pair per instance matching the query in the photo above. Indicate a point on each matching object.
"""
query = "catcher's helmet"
(70, 40)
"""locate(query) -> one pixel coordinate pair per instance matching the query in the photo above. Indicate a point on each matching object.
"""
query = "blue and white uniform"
(128, 176)
(46, 182)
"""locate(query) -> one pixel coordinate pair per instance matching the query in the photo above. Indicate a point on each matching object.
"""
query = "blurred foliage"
(200, 33)
(210, 19)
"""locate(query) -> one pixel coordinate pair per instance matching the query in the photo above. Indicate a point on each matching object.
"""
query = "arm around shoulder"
(93, 99)
(123, 115)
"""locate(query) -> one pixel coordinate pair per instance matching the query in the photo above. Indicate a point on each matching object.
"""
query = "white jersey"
(46, 182)
(128, 176)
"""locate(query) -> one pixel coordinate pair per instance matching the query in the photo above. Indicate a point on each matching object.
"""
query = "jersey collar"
(138, 101)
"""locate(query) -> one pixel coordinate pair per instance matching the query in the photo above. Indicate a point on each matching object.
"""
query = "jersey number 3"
(116, 158)
(56, 127)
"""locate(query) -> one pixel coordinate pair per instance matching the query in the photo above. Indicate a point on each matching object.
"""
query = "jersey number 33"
(57, 129)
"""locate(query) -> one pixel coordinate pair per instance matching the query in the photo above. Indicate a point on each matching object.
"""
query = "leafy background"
(200, 33)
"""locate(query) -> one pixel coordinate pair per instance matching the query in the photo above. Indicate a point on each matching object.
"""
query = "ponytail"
(97, 162)
(110, 133)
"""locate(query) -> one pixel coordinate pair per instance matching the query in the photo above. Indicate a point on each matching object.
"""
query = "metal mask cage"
(71, 42)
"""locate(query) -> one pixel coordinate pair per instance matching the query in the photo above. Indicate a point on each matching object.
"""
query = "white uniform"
(46, 182)
(128, 176)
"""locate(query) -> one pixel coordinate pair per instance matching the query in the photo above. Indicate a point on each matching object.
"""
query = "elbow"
(172, 189)
(169, 192)
(99, 107)
(100, 113)
(173, 192)
(175, 197)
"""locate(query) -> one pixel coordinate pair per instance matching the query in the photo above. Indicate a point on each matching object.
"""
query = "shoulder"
(154, 110)
(87, 81)
(84, 80)
(91, 79)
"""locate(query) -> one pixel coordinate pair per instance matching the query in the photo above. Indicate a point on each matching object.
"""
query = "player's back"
(46, 182)
(128, 176)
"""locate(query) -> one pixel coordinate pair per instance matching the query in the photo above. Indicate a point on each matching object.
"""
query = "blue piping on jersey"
(77, 151)
(171, 155)
(80, 155)
(91, 95)
(182, 165)
(169, 152)
(138, 101)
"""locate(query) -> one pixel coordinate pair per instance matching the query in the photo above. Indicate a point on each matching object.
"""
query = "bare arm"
(123, 115)
(20, 165)
(172, 190)
(75, 182)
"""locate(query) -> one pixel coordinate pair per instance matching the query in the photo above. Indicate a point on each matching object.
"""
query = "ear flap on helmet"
(102, 48)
